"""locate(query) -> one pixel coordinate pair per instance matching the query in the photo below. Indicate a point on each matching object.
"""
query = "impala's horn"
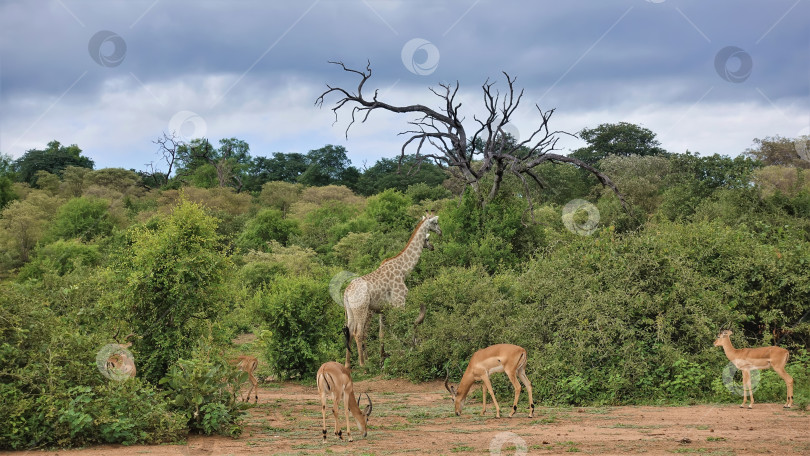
(447, 386)
(369, 407)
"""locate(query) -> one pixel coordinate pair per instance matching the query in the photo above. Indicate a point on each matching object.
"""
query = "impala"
(507, 358)
(120, 364)
(335, 381)
(762, 358)
(248, 364)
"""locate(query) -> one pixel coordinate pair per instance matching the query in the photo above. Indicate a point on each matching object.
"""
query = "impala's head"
(366, 414)
(724, 334)
(458, 399)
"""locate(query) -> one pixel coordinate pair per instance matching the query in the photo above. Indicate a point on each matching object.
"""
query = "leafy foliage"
(82, 218)
(303, 322)
(206, 394)
(53, 159)
(174, 285)
(268, 225)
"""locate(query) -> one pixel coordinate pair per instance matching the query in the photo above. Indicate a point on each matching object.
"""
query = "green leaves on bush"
(206, 394)
(304, 325)
(175, 275)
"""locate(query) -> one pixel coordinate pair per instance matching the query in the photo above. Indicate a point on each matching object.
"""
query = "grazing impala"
(248, 364)
(507, 358)
(748, 359)
(335, 381)
(120, 364)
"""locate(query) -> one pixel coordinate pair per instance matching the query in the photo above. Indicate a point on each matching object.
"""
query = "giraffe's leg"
(382, 348)
(523, 378)
(360, 353)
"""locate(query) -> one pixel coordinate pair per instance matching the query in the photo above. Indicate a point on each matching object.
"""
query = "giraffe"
(384, 285)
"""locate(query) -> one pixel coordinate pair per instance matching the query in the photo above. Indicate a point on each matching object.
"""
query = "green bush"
(175, 271)
(60, 257)
(84, 218)
(268, 225)
(51, 393)
(206, 394)
(304, 325)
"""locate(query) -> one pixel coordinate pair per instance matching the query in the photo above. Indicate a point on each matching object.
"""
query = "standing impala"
(507, 358)
(748, 359)
(335, 381)
(248, 364)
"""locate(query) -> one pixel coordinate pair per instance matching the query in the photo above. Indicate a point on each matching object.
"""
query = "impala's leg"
(516, 385)
(747, 386)
(254, 388)
(485, 378)
(484, 394)
(335, 403)
(788, 382)
(346, 399)
(523, 378)
(323, 413)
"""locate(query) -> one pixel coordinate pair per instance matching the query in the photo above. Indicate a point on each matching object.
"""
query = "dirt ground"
(418, 419)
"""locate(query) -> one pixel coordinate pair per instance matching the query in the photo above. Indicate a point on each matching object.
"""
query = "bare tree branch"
(490, 149)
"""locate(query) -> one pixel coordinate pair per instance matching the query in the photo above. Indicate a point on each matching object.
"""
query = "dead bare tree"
(471, 159)
(168, 148)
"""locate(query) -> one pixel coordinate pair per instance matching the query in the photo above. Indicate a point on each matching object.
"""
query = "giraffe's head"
(432, 223)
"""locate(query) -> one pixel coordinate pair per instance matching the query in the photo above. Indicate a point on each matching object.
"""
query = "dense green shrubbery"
(205, 393)
(304, 325)
(174, 275)
(268, 225)
(610, 319)
(625, 315)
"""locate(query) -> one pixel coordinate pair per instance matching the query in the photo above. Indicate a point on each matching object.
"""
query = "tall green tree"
(7, 192)
(280, 167)
(621, 139)
(207, 166)
(388, 173)
(53, 159)
(329, 165)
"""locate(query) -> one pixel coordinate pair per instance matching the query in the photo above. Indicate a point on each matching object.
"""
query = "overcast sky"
(112, 76)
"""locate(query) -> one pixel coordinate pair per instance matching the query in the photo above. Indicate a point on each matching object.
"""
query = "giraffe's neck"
(402, 264)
